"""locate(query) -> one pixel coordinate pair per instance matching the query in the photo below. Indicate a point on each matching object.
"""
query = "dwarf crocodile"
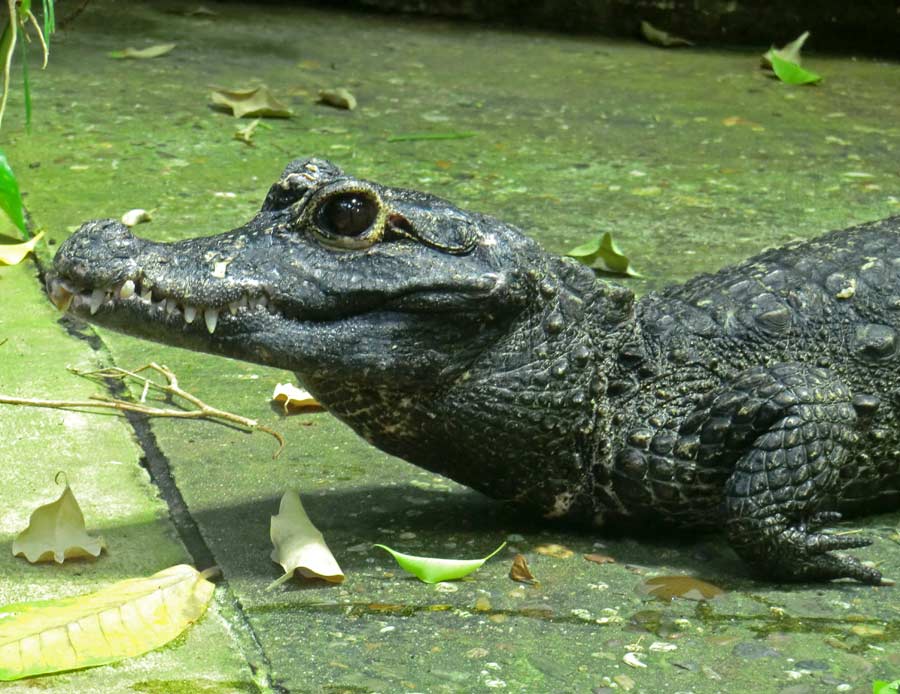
(762, 398)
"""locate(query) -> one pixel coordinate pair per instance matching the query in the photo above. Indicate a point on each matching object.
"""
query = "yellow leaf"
(255, 103)
(13, 254)
(124, 620)
(299, 546)
(56, 532)
(294, 398)
(144, 53)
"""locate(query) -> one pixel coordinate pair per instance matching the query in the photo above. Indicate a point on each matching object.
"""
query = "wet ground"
(693, 159)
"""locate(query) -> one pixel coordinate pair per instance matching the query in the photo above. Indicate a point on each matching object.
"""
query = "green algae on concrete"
(692, 159)
(101, 462)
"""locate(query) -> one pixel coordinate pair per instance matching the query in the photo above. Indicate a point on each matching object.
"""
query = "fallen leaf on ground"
(135, 217)
(56, 532)
(791, 73)
(553, 550)
(339, 98)
(658, 37)
(144, 53)
(666, 588)
(790, 52)
(602, 253)
(14, 253)
(254, 103)
(435, 570)
(519, 570)
(785, 62)
(295, 399)
(299, 546)
(600, 558)
(124, 620)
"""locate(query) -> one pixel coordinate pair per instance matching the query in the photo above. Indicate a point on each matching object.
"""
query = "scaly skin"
(761, 398)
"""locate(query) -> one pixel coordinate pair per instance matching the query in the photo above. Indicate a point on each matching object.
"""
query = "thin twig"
(7, 64)
(171, 388)
(44, 47)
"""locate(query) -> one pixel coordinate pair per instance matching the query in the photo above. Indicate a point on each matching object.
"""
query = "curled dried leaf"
(295, 399)
(258, 102)
(56, 532)
(520, 571)
(299, 546)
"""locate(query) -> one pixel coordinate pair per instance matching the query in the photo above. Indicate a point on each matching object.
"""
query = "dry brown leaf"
(254, 103)
(339, 98)
(553, 550)
(600, 558)
(519, 570)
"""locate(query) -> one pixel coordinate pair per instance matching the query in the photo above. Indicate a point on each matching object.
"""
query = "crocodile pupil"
(348, 214)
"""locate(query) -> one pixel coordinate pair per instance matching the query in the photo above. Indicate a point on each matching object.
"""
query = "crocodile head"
(334, 272)
(399, 311)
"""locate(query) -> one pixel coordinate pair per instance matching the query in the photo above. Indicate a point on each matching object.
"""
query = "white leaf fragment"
(299, 546)
(135, 217)
(632, 660)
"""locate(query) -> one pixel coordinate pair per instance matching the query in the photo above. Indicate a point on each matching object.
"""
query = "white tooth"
(97, 297)
(127, 290)
(259, 301)
(211, 316)
(233, 306)
(238, 303)
(147, 296)
(171, 305)
(190, 312)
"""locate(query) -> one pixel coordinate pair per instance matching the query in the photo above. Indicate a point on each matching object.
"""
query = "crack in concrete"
(157, 465)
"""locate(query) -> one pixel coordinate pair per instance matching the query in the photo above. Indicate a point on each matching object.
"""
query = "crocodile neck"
(532, 401)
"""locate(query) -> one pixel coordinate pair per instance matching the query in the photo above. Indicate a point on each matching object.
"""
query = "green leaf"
(790, 52)
(792, 73)
(10, 198)
(602, 253)
(49, 20)
(883, 687)
(26, 86)
(126, 619)
(432, 570)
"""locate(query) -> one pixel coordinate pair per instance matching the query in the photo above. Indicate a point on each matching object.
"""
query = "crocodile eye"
(348, 214)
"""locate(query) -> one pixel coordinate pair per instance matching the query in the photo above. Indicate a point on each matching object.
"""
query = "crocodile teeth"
(147, 296)
(211, 316)
(97, 298)
(61, 296)
(171, 306)
(239, 303)
(190, 313)
(126, 291)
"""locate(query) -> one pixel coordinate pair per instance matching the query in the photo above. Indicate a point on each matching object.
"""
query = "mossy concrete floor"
(694, 159)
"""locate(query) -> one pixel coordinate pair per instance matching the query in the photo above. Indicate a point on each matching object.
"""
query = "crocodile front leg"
(790, 428)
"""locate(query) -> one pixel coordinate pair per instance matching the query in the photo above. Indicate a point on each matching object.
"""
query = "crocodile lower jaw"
(66, 296)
